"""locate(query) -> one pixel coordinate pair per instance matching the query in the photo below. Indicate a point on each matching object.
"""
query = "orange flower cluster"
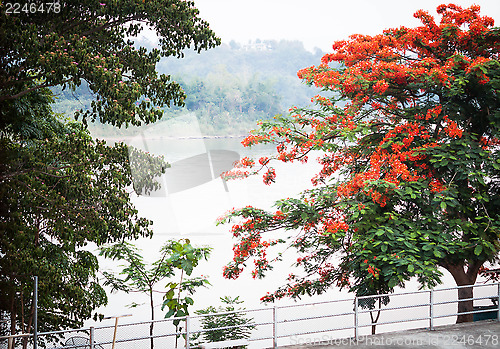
(236, 173)
(279, 216)
(374, 64)
(231, 272)
(246, 247)
(371, 269)
(263, 160)
(487, 143)
(374, 271)
(269, 176)
(326, 272)
(245, 162)
(436, 186)
(333, 226)
(254, 139)
(452, 128)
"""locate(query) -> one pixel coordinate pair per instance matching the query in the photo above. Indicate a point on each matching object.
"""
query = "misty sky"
(318, 23)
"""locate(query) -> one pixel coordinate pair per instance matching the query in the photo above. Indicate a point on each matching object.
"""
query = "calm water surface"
(191, 213)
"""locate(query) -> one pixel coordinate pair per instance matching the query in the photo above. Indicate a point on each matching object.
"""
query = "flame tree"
(407, 129)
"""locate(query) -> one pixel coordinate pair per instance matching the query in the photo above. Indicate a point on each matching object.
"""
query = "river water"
(190, 209)
(191, 213)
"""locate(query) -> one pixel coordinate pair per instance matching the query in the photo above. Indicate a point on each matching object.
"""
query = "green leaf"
(170, 313)
(393, 281)
(478, 250)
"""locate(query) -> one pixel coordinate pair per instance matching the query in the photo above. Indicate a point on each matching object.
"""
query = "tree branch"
(22, 93)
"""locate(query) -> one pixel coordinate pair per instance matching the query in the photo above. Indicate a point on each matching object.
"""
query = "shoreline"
(123, 138)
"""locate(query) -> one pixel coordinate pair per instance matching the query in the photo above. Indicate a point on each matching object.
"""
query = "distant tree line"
(229, 88)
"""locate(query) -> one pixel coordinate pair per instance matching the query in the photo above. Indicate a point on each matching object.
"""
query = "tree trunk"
(152, 317)
(375, 319)
(178, 300)
(466, 305)
(465, 295)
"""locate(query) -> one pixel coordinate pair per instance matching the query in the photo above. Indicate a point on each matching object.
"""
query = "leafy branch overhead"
(93, 41)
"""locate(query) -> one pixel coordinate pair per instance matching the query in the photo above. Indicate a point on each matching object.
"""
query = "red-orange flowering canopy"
(408, 129)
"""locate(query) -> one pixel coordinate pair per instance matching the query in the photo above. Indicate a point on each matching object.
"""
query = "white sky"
(318, 23)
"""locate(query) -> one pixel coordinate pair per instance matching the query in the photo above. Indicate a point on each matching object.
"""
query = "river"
(191, 211)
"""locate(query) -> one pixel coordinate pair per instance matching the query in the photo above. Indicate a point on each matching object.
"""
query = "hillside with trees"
(229, 88)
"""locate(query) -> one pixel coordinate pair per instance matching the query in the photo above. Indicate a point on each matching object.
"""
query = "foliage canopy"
(61, 192)
(92, 41)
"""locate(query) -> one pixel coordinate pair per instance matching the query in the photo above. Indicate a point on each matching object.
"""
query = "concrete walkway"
(481, 334)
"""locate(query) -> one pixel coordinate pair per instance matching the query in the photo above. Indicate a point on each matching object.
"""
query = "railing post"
(92, 336)
(431, 309)
(35, 315)
(498, 302)
(188, 330)
(275, 330)
(356, 334)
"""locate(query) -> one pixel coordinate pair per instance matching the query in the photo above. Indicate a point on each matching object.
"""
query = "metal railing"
(343, 318)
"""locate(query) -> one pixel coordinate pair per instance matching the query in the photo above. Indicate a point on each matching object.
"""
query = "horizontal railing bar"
(485, 297)
(313, 318)
(317, 331)
(138, 338)
(259, 339)
(314, 303)
(394, 308)
(140, 323)
(464, 286)
(425, 291)
(17, 336)
(397, 321)
(47, 333)
(462, 300)
(479, 311)
(446, 315)
(72, 346)
(87, 329)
